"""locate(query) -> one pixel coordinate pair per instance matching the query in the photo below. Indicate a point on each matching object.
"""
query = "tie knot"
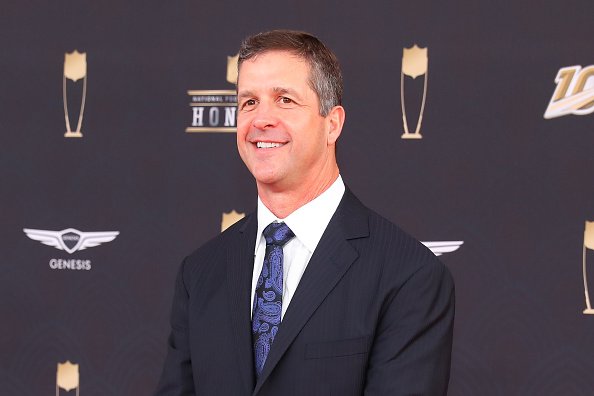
(277, 234)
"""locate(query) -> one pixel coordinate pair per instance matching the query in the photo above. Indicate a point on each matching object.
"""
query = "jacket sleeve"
(177, 379)
(412, 346)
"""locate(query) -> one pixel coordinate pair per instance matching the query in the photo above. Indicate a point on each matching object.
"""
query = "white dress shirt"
(308, 223)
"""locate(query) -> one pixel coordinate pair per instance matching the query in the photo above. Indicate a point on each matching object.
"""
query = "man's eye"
(285, 100)
(248, 103)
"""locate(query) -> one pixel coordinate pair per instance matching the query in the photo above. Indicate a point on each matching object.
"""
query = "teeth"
(267, 145)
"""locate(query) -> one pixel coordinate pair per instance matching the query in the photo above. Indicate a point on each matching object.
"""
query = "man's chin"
(267, 181)
(271, 183)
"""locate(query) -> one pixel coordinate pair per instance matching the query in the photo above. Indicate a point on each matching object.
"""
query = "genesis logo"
(70, 240)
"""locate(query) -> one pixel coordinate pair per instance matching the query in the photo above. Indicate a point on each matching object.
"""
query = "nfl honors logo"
(215, 111)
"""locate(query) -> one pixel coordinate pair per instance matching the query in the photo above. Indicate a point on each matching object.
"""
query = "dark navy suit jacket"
(372, 314)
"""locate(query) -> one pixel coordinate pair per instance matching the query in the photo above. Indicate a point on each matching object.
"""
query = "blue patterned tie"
(268, 299)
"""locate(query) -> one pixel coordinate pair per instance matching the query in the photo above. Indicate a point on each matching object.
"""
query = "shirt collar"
(309, 222)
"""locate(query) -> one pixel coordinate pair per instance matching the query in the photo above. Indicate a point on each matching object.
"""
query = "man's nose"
(266, 116)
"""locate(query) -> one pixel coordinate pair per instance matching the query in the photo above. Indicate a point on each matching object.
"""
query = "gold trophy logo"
(75, 68)
(414, 64)
(588, 244)
(230, 218)
(232, 69)
(67, 377)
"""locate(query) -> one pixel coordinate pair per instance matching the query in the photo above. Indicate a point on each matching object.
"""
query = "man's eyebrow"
(282, 90)
(244, 94)
(275, 90)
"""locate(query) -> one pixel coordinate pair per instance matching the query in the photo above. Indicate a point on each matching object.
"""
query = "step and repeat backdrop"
(470, 124)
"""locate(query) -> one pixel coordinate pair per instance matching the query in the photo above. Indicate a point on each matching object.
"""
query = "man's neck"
(283, 202)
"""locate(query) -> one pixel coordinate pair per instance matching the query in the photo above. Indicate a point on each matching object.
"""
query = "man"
(314, 294)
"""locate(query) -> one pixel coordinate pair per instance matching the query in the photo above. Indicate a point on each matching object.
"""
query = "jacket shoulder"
(387, 242)
(209, 256)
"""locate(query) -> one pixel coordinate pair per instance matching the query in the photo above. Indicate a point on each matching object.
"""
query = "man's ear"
(335, 119)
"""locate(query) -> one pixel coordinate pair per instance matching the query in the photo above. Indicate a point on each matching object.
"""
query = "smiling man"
(286, 140)
(313, 294)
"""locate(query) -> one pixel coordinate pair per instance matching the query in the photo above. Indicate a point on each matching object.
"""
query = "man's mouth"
(268, 144)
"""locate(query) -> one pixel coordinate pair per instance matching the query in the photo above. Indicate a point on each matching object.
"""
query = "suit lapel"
(240, 263)
(331, 259)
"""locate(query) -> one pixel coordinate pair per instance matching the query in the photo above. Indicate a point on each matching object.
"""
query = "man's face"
(281, 136)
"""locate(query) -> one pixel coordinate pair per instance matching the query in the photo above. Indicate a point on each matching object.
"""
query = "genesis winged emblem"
(70, 239)
(439, 248)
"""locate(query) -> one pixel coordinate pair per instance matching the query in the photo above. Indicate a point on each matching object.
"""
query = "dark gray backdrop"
(490, 171)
